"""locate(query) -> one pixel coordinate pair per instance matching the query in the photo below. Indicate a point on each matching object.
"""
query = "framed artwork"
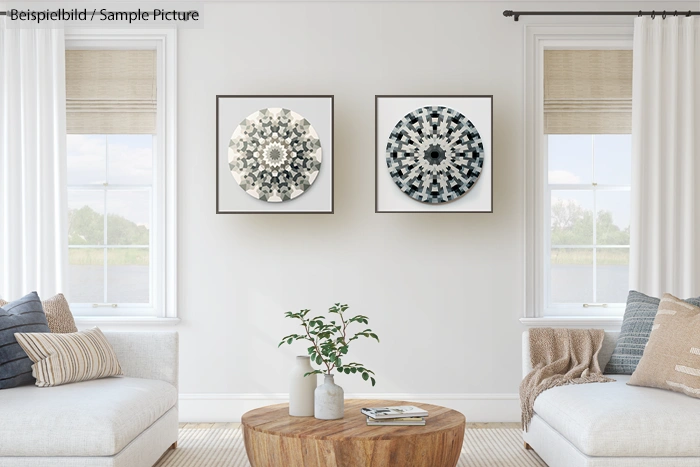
(433, 154)
(274, 154)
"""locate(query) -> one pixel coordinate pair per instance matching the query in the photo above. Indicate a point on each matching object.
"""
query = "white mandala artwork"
(275, 155)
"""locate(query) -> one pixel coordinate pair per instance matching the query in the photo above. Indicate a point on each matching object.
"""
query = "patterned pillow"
(25, 314)
(634, 335)
(57, 312)
(68, 358)
(672, 358)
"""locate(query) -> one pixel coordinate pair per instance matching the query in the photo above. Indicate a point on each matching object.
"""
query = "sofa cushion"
(69, 357)
(57, 312)
(671, 359)
(90, 418)
(23, 315)
(614, 419)
(636, 327)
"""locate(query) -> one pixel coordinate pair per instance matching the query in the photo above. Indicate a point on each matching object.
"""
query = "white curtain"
(665, 223)
(33, 204)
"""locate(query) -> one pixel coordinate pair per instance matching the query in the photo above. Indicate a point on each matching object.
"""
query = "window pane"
(613, 219)
(613, 159)
(85, 217)
(572, 217)
(612, 275)
(128, 275)
(570, 159)
(86, 275)
(129, 217)
(571, 275)
(86, 159)
(130, 159)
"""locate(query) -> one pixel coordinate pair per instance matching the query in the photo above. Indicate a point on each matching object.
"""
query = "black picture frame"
(219, 97)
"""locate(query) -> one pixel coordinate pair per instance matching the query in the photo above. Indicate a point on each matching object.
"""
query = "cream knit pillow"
(68, 358)
(671, 359)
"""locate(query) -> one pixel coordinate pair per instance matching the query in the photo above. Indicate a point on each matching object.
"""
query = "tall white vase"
(329, 400)
(301, 389)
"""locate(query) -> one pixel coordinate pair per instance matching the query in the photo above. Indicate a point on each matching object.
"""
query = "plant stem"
(340, 313)
(318, 351)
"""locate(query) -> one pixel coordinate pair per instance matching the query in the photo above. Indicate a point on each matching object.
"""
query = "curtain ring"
(653, 14)
(675, 13)
(664, 15)
(640, 14)
(688, 15)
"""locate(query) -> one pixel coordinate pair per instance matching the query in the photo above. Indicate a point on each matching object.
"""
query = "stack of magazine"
(403, 415)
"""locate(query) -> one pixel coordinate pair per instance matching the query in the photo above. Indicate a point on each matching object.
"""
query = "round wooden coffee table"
(274, 439)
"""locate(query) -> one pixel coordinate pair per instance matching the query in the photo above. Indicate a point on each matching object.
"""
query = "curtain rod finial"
(509, 13)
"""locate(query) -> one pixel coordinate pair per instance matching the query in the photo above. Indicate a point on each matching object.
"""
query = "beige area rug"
(214, 447)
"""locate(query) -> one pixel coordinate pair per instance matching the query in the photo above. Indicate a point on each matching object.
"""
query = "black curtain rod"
(517, 14)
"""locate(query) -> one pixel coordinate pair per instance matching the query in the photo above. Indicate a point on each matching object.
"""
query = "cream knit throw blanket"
(560, 357)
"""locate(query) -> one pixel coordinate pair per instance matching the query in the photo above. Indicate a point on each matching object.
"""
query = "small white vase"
(329, 400)
(301, 389)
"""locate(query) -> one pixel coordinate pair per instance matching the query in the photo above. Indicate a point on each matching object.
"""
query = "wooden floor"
(206, 426)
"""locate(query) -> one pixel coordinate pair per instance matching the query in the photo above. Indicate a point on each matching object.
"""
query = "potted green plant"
(330, 341)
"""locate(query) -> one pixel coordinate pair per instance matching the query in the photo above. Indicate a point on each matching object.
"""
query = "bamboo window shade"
(587, 91)
(111, 91)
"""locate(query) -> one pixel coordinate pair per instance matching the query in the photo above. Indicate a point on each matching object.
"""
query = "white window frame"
(539, 38)
(163, 245)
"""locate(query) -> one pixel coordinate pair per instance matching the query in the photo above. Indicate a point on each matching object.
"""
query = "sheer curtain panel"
(33, 205)
(665, 221)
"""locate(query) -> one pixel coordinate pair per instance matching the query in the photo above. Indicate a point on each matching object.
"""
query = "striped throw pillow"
(671, 359)
(68, 358)
(23, 315)
(58, 313)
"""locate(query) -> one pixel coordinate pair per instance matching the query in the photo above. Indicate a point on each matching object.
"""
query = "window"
(120, 173)
(578, 173)
(110, 214)
(588, 201)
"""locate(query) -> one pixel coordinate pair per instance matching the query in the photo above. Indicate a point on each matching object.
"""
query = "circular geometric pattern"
(274, 155)
(435, 154)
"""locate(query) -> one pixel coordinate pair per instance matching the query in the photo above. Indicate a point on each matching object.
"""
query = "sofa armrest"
(151, 355)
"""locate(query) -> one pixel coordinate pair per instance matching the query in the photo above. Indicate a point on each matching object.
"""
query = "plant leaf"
(365, 376)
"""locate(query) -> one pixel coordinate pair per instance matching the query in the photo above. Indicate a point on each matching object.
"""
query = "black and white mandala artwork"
(275, 155)
(435, 154)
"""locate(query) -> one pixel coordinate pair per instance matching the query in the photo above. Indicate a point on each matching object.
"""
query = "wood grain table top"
(275, 419)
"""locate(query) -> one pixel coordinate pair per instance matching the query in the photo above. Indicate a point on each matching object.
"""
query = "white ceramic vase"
(329, 400)
(301, 389)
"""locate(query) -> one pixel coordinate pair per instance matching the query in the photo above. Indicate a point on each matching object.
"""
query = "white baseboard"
(230, 407)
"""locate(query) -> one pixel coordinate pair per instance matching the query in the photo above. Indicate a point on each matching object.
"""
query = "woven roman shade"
(111, 91)
(587, 91)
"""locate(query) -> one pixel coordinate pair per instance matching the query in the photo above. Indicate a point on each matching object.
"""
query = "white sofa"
(612, 424)
(125, 421)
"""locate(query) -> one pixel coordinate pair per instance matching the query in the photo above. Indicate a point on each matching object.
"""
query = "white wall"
(443, 291)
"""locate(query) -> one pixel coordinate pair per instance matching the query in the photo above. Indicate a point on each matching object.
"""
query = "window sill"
(124, 320)
(609, 323)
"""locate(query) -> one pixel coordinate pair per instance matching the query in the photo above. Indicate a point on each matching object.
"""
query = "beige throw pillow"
(671, 359)
(57, 312)
(68, 358)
